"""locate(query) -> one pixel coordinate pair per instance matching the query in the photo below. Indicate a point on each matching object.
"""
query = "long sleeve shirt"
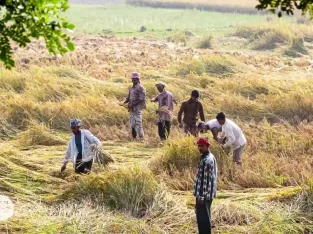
(234, 135)
(137, 96)
(205, 185)
(87, 139)
(191, 109)
(165, 99)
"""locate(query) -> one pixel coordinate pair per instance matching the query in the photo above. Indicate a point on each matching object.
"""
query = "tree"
(286, 6)
(22, 20)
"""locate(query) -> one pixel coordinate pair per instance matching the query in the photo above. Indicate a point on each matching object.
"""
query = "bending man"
(80, 148)
(233, 137)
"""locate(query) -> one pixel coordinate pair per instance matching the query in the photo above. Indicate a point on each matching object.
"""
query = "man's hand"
(63, 168)
(93, 147)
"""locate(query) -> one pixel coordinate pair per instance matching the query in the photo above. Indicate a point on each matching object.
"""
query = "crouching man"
(81, 148)
(205, 186)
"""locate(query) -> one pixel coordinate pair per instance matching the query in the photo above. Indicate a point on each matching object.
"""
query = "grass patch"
(205, 43)
(214, 65)
(297, 48)
(130, 190)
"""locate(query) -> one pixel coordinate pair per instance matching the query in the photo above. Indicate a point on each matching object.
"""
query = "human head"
(135, 76)
(203, 127)
(75, 125)
(160, 86)
(203, 145)
(195, 95)
(221, 118)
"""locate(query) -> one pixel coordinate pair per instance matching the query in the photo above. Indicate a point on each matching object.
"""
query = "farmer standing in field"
(81, 148)
(212, 125)
(233, 137)
(165, 111)
(205, 186)
(136, 101)
(191, 109)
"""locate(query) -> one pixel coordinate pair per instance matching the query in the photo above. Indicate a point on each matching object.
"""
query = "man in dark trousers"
(165, 111)
(191, 109)
(205, 186)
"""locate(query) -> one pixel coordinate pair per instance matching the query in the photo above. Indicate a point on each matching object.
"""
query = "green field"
(126, 21)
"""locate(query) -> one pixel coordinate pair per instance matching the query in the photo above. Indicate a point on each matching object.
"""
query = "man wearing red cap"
(136, 103)
(205, 186)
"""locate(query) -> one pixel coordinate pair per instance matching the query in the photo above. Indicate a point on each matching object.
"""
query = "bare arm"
(155, 99)
(180, 113)
(201, 113)
(215, 134)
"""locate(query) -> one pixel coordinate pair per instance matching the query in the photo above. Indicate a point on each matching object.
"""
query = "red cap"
(203, 141)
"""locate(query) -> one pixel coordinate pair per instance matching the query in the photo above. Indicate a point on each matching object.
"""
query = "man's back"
(190, 109)
(232, 128)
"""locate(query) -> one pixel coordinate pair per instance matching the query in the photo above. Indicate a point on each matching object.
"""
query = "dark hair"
(195, 93)
(220, 116)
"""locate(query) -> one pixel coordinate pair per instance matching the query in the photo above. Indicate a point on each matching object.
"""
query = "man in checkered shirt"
(205, 186)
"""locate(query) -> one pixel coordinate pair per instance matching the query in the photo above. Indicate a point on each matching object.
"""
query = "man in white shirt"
(212, 125)
(233, 137)
(80, 148)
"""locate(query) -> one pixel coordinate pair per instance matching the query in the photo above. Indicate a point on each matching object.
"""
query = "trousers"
(135, 119)
(164, 128)
(203, 214)
(82, 167)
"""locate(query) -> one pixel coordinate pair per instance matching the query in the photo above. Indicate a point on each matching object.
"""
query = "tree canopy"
(286, 6)
(22, 20)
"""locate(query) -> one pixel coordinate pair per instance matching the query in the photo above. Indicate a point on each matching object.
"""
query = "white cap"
(160, 83)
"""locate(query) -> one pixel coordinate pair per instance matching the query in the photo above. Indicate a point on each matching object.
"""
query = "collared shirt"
(87, 139)
(205, 185)
(191, 109)
(234, 135)
(136, 93)
(165, 99)
(213, 123)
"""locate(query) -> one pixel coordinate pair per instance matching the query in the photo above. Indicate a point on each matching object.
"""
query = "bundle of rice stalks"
(39, 135)
(131, 190)
(102, 158)
(167, 111)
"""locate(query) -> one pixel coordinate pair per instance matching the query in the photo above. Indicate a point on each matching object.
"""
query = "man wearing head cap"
(165, 111)
(136, 103)
(80, 148)
(205, 186)
(191, 109)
